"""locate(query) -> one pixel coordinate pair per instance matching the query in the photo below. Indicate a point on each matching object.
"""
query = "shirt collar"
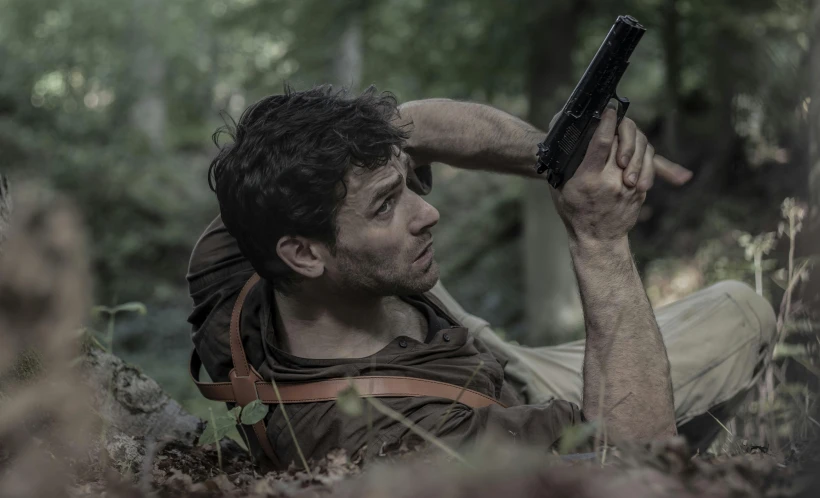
(437, 320)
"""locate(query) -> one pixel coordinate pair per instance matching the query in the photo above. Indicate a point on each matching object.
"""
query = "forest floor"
(661, 469)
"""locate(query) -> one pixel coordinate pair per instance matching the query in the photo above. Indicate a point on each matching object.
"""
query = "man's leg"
(716, 339)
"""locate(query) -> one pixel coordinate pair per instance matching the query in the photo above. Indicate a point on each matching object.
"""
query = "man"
(320, 194)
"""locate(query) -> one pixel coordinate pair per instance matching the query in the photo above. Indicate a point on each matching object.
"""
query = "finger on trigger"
(599, 147)
(647, 176)
(627, 136)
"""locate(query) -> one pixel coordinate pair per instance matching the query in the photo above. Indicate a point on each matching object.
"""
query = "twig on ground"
(152, 448)
(444, 416)
(247, 442)
(600, 430)
(415, 429)
(721, 425)
(290, 428)
(369, 413)
(218, 446)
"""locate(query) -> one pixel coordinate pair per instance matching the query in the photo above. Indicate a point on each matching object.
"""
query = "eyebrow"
(385, 189)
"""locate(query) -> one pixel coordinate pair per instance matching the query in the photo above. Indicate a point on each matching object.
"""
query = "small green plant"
(793, 214)
(111, 313)
(777, 411)
(219, 426)
(253, 412)
(756, 247)
(578, 435)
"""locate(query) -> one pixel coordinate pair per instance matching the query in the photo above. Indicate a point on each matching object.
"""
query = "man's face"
(384, 246)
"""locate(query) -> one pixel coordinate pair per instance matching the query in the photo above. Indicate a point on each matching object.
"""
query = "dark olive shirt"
(217, 272)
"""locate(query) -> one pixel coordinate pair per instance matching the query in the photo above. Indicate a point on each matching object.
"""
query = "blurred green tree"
(113, 101)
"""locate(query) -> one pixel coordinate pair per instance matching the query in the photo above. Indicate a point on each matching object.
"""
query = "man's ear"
(302, 255)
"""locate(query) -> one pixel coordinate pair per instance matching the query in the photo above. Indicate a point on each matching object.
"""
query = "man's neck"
(343, 326)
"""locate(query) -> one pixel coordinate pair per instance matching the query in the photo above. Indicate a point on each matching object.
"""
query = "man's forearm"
(470, 135)
(625, 364)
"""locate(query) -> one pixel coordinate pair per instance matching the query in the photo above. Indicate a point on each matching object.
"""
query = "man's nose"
(426, 216)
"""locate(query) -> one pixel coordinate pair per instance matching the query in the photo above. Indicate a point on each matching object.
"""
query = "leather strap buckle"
(244, 387)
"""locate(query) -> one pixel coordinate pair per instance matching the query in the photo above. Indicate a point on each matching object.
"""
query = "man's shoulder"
(441, 299)
(216, 261)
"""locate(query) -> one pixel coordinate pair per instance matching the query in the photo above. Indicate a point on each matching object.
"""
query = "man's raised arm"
(469, 135)
(477, 136)
(626, 369)
(625, 364)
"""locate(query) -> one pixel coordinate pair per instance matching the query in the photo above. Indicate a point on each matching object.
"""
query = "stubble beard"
(385, 278)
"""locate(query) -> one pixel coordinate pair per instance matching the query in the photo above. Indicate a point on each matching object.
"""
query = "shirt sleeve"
(215, 258)
(216, 273)
(321, 427)
(539, 425)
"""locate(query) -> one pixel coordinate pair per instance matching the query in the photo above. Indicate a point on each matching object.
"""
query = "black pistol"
(566, 143)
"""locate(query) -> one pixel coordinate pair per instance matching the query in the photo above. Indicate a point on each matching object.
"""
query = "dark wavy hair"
(283, 172)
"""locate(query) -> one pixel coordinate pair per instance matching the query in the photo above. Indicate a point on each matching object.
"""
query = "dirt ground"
(657, 470)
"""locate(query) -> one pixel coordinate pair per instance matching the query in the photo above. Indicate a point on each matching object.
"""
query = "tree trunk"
(814, 109)
(348, 63)
(718, 155)
(149, 111)
(553, 305)
(671, 49)
(5, 209)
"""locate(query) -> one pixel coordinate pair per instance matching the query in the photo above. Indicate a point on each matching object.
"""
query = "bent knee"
(757, 308)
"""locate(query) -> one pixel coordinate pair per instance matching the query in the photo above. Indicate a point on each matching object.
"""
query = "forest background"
(114, 101)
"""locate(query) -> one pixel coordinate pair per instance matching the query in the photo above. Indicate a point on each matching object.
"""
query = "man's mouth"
(425, 253)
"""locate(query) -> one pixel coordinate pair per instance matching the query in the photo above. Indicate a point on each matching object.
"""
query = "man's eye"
(386, 205)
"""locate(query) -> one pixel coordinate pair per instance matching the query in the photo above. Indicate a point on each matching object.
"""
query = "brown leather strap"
(243, 377)
(246, 384)
(240, 362)
(328, 390)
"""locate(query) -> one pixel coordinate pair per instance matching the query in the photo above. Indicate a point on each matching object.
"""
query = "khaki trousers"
(717, 340)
